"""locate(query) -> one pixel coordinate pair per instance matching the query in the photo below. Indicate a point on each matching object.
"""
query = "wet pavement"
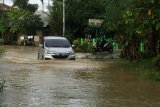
(62, 83)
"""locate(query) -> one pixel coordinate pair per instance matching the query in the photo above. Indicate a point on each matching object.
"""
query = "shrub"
(76, 42)
(156, 61)
(154, 69)
(85, 47)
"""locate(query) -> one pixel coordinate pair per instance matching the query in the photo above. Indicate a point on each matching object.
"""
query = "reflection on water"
(80, 83)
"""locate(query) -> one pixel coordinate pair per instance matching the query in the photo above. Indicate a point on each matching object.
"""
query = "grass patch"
(143, 68)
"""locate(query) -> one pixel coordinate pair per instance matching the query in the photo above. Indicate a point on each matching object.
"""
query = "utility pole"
(63, 17)
(48, 3)
(42, 4)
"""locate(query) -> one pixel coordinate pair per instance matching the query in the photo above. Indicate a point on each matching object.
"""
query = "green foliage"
(85, 47)
(77, 14)
(16, 18)
(88, 47)
(156, 62)
(21, 19)
(114, 13)
(56, 17)
(142, 68)
(154, 69)
(76, 42)
(129, 19)
(69, 37)
(24, 4)
(3, 25)
(30, 22)
(139, 21)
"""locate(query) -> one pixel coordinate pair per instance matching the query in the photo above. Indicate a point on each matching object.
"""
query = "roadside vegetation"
(17, 20)
(132, 23)
(144, 68)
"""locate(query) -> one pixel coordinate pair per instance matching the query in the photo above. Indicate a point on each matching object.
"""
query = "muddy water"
(80, 83)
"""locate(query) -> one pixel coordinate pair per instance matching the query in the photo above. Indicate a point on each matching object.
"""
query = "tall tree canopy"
(24, 4)
(56, 17)
(31, 22)
(78, 12)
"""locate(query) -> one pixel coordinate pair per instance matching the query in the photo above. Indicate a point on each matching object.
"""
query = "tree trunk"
(153, 43)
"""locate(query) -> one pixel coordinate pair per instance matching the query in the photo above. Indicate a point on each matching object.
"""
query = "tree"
(16, 18)
(20, 18)
(140, 23)
(78, 12)
(55, 17)
(3, 24)
(31, 22)
(24, 4)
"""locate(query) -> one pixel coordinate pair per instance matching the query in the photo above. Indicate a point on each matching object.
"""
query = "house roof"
(4, 6)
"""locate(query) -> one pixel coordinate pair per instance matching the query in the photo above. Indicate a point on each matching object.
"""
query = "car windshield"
(57, 43)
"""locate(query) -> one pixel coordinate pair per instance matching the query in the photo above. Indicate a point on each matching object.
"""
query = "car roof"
(54, 37)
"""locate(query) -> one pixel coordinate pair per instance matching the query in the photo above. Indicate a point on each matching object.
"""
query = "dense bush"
(76, 43)
(84, 47)
(156, 61)
(154, 69)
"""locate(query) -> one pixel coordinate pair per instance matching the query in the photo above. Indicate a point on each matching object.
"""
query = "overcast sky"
(9, 2)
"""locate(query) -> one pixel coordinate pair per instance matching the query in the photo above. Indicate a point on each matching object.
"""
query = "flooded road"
(80, 83)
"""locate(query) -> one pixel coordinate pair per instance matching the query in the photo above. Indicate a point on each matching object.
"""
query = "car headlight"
(72, 52)
(47, 52)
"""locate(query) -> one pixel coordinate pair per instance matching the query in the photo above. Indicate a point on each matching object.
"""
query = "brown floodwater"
(80, 83)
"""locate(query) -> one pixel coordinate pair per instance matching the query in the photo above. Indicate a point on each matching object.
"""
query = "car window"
(57, 43)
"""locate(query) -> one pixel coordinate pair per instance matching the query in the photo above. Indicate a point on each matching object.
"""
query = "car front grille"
(60, 56)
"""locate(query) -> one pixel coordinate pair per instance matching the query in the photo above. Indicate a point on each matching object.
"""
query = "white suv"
(54, 47)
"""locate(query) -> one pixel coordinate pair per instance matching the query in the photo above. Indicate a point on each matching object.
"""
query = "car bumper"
(53, 56)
